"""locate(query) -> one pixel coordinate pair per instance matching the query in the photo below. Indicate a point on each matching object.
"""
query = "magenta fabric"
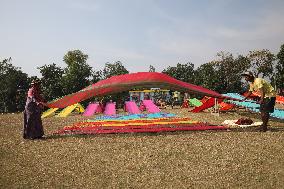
(110, 109)
(131, 107)
(150, 106)
(91, 109)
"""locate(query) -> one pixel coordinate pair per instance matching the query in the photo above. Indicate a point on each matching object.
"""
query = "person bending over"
(267, 97)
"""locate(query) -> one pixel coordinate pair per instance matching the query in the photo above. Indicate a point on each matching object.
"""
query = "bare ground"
(235, 158)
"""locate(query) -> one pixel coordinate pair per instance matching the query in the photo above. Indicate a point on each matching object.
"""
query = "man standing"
(176, 97)
(267, 96)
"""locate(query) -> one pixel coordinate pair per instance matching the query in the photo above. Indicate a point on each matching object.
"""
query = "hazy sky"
(139, 33)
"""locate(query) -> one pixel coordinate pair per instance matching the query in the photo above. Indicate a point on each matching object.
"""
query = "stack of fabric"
(136, 123)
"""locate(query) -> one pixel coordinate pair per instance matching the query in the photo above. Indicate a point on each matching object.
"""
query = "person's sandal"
(261, 129)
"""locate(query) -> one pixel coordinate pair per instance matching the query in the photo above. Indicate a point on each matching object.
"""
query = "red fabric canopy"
(127, 82)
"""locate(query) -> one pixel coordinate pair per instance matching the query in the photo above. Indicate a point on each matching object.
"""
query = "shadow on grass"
(126, 135)
(256, 129)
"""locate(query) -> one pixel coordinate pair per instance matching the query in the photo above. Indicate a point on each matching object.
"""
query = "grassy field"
(235, 158)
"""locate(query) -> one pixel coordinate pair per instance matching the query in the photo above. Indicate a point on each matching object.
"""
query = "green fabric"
(195, 102)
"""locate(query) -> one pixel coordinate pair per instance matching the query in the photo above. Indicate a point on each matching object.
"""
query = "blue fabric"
(134, 116)
(252, 105)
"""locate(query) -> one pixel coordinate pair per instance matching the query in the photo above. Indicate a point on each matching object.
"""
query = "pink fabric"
(91, 109)
(110, 109)
(150, 106)
(131, 107)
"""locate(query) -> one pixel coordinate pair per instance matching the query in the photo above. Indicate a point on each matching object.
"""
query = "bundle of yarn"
(244, 121)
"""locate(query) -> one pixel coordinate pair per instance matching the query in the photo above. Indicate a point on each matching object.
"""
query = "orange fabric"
(226, 106)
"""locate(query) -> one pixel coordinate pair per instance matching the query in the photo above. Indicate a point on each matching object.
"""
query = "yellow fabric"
(66, 111)
(48, 112)
(261, 83)
(143, 124)
(80, 108)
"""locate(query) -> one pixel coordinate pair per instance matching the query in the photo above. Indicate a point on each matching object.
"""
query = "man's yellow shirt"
(261, 83)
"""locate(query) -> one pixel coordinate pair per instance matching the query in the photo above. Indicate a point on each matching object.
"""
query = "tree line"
(222, 75)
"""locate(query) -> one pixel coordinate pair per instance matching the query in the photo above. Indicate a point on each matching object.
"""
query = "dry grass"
(237, 158)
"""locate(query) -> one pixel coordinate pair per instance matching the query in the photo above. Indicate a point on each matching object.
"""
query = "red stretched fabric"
(126, 82)
(208, 104)
(140, 129)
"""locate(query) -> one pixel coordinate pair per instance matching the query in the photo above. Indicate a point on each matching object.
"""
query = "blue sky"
(139, 33)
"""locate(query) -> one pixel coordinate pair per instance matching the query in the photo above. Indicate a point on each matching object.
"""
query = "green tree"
(114, 69)
(206, 76)
(96, 76)
(13, 87)
(183, 72)
(77, 73)
(228, 70)
(152, 69)
(51, 81)
(261, 62)
(242, 64)
(280, 70)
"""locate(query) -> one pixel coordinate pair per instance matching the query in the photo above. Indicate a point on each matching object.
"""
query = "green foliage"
(75, 57)
(183, 72)
(51, 81)
(229, 72)
(241, 64)
(222, 75)
(261, 62)
(114, 69)
(96, 76)
(206, 76)
(77, 73)
(280, 70)
(13, 87)
(152, 69)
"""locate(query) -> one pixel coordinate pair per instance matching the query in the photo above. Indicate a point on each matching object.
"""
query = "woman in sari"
(32, 114)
